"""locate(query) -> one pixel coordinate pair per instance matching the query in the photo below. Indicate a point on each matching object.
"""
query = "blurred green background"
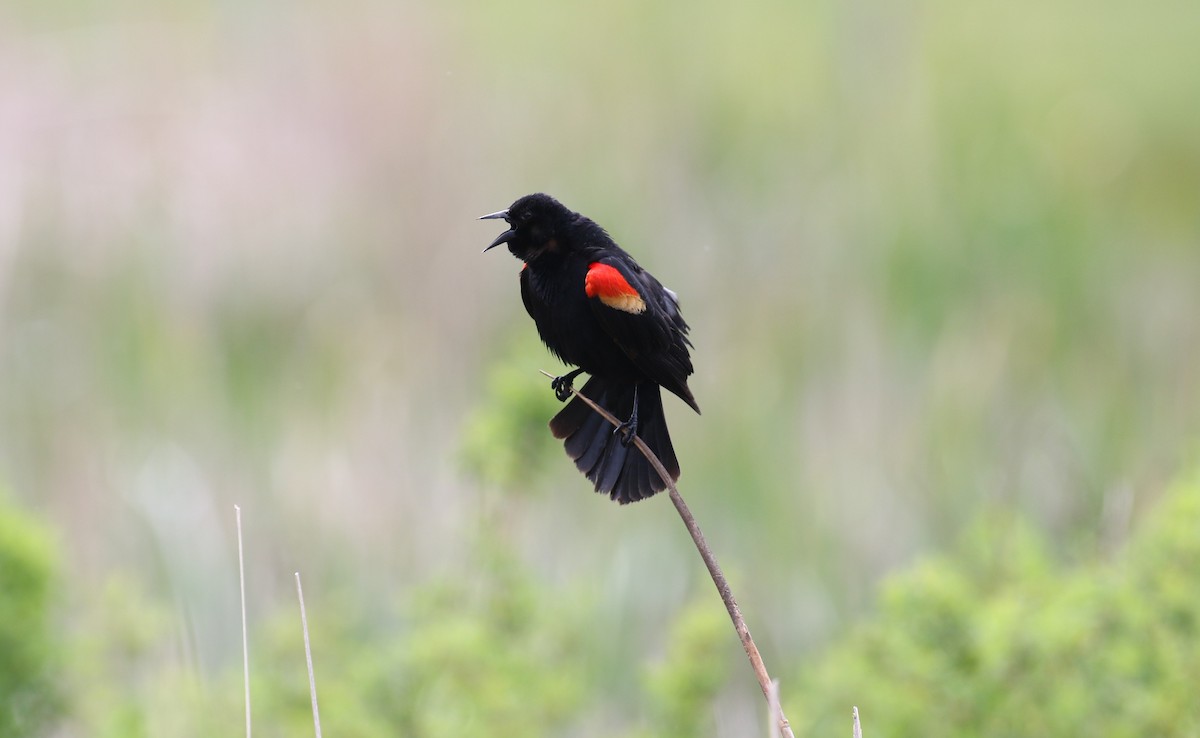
(942, 265)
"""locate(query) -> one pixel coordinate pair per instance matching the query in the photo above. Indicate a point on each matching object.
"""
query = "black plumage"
(597, 309)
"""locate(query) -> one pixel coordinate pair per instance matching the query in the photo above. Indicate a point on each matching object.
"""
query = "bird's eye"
(525, 216)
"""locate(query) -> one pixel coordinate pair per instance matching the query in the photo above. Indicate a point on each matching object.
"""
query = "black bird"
(596, 309)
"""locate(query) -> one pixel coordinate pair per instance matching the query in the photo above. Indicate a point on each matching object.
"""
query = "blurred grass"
(939, 259)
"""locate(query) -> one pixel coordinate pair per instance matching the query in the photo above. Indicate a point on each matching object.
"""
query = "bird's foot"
(562, 386)
(627, 431)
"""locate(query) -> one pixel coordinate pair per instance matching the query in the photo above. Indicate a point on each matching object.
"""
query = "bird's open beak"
(503, 237)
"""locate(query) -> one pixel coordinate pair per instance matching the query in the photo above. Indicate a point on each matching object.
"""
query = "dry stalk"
(245, 640)
(773, 709)
(312, 682)
(710, 561)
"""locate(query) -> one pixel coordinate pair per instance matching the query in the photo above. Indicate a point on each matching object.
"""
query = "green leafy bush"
(685, 685)
(489, 655)
(28, 698)
(1001, 642)
(506, 441)
(499, 653)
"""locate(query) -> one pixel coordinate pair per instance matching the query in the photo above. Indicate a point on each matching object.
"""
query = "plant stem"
(245, 639)
(710, 561)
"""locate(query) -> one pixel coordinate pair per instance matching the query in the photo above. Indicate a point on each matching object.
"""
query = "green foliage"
(505, 661)
(1001, 642)
(685, 685)
(498, 653)
(28, 656)
(932, 260)
(118, 667)
(506, 441)
(495, 655)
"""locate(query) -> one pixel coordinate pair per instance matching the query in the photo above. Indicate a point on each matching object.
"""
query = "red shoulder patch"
(608, 284)
(606, 281)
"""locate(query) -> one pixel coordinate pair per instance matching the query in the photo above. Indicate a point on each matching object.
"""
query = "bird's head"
(536, 224)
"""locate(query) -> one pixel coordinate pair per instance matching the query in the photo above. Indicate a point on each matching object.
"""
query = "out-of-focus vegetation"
(941, 261)
(998, 641)
(28, 648)
(488, 650)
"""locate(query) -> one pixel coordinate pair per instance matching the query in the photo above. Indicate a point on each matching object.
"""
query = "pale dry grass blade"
(773, 711)
(312, 682)
(245, 639)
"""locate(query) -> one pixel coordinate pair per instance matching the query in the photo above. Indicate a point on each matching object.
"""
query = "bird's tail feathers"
(620, 471)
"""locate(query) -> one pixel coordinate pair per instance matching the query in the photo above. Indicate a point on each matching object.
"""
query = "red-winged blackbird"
(597, 309)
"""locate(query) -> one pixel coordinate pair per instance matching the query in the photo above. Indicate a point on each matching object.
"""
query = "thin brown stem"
(710, 561)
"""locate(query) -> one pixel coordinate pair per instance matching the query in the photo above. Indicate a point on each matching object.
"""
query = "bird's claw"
(627, 431)
(562, 387)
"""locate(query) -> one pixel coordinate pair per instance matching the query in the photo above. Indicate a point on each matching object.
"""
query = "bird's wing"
(642, 317)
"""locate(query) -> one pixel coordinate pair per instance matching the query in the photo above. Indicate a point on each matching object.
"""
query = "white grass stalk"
(773, 710)
(312, 682)
(245, 639)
